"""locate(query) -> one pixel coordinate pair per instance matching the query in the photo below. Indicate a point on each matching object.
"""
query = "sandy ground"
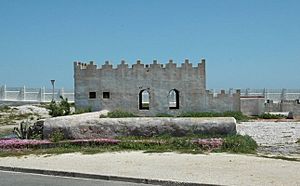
(219, 168)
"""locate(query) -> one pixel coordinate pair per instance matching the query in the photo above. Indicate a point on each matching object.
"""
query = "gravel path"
(274, 137)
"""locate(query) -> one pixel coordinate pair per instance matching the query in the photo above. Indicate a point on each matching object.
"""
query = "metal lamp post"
(52, 82)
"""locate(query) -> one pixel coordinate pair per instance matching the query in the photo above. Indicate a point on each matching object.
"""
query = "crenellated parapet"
(154, 71)
(139, 65)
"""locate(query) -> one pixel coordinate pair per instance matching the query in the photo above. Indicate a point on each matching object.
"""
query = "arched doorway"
(173, 99)
(144, 100)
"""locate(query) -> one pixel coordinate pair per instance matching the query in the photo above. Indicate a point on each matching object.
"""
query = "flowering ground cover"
(20, 144)
(23, 143)
(187, 144)
(209, 144)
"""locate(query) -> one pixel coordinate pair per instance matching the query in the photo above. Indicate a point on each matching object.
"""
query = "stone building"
(148, 89)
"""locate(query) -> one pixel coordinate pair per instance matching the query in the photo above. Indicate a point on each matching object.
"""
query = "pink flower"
(209, 144)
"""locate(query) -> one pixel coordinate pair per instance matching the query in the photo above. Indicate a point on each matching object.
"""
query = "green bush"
(120, 114)
(59, 109)
(56, 136)
(239, 144)
(271, 116)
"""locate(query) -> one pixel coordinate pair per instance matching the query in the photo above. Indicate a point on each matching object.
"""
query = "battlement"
(138, 65)
(222, 94)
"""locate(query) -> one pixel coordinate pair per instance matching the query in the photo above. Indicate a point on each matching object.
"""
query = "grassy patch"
(120, 114)
(232, 144)
(164, 115)
(83, 110)
(239, 144)
(239, 116)
(271, 116)
(11, 118)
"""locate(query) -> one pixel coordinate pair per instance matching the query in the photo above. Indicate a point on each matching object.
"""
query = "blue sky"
(254, 43)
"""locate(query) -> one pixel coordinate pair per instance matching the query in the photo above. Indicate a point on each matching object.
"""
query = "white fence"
(45, 95)
(269, 94)
(24, 94)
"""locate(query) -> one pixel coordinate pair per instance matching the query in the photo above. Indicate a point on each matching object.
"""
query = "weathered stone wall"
(284, 106)
(124, 85)
(252, 105)
(91, 126)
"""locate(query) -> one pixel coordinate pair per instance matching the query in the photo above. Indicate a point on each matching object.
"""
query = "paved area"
(25, 179)
(274, 137)
(220, 168)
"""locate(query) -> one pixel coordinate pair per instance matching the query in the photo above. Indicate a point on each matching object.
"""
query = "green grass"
(164, 115)
(232, 144)
(120, 114)
(239, 144)
(271, 116)
(11, 118)
(239, 116)
(83, 110)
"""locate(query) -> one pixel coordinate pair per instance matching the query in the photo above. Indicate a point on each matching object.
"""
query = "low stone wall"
(91, 126)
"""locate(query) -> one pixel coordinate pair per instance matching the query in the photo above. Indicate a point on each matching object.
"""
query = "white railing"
(24, 94)
(269, 94)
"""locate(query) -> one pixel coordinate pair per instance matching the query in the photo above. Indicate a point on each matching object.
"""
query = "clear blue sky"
(247, 43)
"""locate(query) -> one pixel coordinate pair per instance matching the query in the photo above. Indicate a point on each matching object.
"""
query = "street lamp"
(52, 82)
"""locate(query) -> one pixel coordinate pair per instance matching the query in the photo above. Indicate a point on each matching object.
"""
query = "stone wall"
(252, 105)
(123, 85)
(284, 106)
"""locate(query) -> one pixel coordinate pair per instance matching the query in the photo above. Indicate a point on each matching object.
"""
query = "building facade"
(149, 89)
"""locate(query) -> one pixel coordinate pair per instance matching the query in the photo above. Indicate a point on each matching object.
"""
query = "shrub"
(239, 144)
(120, 114)
(271, 116)
(59, 109)
(28, 130)
(24, 131)
(57, 135)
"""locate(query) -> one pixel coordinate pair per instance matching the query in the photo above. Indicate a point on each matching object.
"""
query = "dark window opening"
(92, 95)
(106, 95)
(173, 99)
(144, 100)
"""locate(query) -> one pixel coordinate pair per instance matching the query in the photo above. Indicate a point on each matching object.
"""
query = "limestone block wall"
(111, 88)
(252, 106)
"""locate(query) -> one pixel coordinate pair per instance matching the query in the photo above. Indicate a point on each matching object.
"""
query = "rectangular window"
(92, 95)
(106, 95)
